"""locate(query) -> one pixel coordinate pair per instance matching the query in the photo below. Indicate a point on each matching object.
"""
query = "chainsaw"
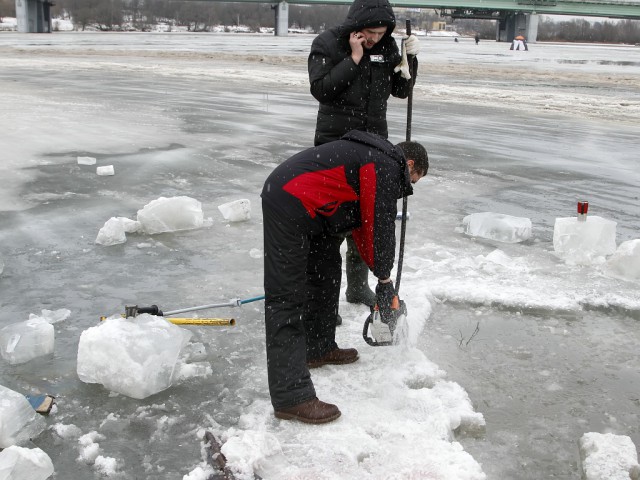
(382, 330)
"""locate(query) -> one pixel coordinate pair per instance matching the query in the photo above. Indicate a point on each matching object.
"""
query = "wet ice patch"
(608, 457)
(497, 226)
(23, 341)
(17, 463)
(19, 422)
(236, 211)
(584, 242)
(136, 357)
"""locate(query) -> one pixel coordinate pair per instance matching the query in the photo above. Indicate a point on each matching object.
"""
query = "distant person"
(518, 43)
(352, 184)
(477, 38)
(353, 69)
(455, 39)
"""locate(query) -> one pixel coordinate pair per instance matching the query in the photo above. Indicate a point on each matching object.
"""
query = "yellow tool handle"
(217, 322)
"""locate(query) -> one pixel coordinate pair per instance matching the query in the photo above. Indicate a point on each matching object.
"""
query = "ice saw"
(381, 331)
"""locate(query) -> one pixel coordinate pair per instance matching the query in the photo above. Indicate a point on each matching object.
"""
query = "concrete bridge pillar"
(33, 16)
(515, 24)
(282, 19)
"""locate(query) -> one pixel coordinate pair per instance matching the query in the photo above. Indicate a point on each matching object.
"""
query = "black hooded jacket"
(355, 96)
(352, 184)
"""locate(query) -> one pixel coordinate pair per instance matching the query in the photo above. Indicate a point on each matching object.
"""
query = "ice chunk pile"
(584, 242)
(24, 341)
(136, 357)
(236, 211)
(497, 226)
(19, 422)
(17, 463)
(625, 262)
(608, 457)
(115, 229)
(171, 214)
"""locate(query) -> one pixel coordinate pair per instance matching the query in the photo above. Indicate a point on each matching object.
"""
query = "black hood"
(369, 13)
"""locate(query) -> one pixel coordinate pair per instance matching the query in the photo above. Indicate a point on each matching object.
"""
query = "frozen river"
(521, 133)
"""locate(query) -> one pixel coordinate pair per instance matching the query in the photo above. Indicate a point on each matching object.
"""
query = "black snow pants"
(302, 273)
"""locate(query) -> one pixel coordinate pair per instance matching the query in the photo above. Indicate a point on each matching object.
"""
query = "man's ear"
(410, 164)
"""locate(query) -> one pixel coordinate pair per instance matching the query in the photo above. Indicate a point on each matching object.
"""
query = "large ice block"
(136, 357)
(24, 341)
(497, 226)
(171, 214)
(584, 242)
(18, 420)
(17, 463)
(606, 456)
(625, 262)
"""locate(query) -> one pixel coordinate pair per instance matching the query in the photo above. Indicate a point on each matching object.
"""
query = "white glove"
(412, 44)
(403, 66)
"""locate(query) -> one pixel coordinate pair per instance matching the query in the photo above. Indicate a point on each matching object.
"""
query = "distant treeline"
(203, 16)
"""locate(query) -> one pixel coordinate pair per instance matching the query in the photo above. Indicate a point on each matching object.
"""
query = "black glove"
(384, 299)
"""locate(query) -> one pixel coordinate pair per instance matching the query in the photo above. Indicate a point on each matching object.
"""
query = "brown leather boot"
(339, 356)
(311, 411)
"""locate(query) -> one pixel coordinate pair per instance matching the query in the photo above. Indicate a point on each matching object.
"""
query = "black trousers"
(302, 272)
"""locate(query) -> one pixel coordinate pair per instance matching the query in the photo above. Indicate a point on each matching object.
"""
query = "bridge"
(513, 17)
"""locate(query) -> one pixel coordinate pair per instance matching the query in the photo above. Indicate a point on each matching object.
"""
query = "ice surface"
(86, 161)
(608, 457)
(497, 226)
(19, 422)
(105, 170)
(236, 211)
(584, 242)
(24, 341)
(171, 214)
(18, 463)
(136, 357)
(625, 262)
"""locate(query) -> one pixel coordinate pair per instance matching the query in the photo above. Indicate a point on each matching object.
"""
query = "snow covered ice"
(209, 116)
(24, 341)
(497, 226)
(136, 357)
(608, 457)
(584, 242)
(19, 463)
(18, 421)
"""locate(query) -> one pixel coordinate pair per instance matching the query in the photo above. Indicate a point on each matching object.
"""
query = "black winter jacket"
(355, 96)
(350, 184)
